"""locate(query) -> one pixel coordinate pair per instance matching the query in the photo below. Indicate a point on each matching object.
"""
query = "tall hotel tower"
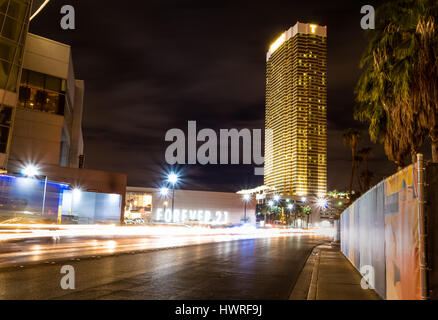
(296, 108)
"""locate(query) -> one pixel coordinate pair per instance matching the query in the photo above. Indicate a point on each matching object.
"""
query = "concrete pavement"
(328, 275)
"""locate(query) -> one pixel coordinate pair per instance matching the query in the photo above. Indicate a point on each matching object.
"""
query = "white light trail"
(39, 10)
(23, 231)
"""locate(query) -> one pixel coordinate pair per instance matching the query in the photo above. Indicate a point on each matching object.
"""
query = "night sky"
(150, 66)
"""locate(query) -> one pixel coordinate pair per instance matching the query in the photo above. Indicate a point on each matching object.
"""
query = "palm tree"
(357, 162)
(351, 138)
(365, 153)
(397, 93)
(366, 177)
(307, 211)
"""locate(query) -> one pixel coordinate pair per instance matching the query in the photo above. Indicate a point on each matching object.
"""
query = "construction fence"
(384, 230)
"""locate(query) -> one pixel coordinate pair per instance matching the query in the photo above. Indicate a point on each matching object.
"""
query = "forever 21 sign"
(186, 215)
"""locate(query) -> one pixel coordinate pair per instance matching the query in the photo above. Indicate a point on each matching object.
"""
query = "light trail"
(23, 231)
(23, 244)
(39, 10)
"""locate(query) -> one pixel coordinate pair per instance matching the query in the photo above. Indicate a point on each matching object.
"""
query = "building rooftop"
(302, 28)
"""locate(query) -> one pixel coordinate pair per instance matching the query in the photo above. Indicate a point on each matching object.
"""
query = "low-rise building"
(190, 207)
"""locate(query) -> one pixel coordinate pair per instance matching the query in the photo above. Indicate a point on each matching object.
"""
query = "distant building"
(296, 107)
(191, 207)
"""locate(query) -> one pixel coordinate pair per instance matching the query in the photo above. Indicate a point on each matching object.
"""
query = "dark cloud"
(150, 66)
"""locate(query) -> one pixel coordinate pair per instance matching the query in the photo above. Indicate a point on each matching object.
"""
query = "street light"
(172, 178)
(322, 203)
(246, 198)
(164, 191)
(77, 192)
(277, 198)
(290, 206)
(31, 171)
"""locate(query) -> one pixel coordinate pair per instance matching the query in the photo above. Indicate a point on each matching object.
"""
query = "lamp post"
(172, 178)
(290, 207)
(246, 198)
(164, 192)
(271, 205)
(44, 195)
(322, 204)
(31, 171)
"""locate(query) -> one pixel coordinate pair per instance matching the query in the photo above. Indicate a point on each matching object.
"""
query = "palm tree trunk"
(434, 138)
(352, 176)
(359, 180)
(352, 170)
(414, 157)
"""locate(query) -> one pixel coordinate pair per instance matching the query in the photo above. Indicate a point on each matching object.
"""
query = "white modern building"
(47, 126)
(190, 207)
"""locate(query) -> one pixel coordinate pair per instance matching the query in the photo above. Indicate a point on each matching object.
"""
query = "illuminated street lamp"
(322, 203)
(32, 171)
(246, 198)
(77, 192)
(276, 198)
(164, 191)
(172, 178)
(290, 206)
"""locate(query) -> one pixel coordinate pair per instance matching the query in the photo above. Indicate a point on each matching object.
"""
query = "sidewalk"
(328, 275)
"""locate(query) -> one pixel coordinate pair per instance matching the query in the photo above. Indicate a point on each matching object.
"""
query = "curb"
(301, 289)
(313, 288)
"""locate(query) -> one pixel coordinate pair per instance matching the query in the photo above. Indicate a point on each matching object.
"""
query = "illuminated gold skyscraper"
(296, 109)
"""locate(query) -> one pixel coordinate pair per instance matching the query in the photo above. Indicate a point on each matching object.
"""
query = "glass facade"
(24, 200)
(5, 124)
(80, 207)
(138, 208)
(14, 17)
(21, 199)
(42, 92)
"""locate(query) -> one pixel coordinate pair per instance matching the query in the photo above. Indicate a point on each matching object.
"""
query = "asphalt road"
(263, 268)
(42, 250)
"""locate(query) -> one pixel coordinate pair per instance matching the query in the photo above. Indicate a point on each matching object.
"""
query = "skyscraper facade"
(14, 23)
(296, 108)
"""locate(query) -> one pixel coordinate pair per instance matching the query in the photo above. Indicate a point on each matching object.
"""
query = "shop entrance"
(138, 208)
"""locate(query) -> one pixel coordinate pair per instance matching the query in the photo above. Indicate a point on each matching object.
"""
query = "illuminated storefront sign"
(185, 215)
